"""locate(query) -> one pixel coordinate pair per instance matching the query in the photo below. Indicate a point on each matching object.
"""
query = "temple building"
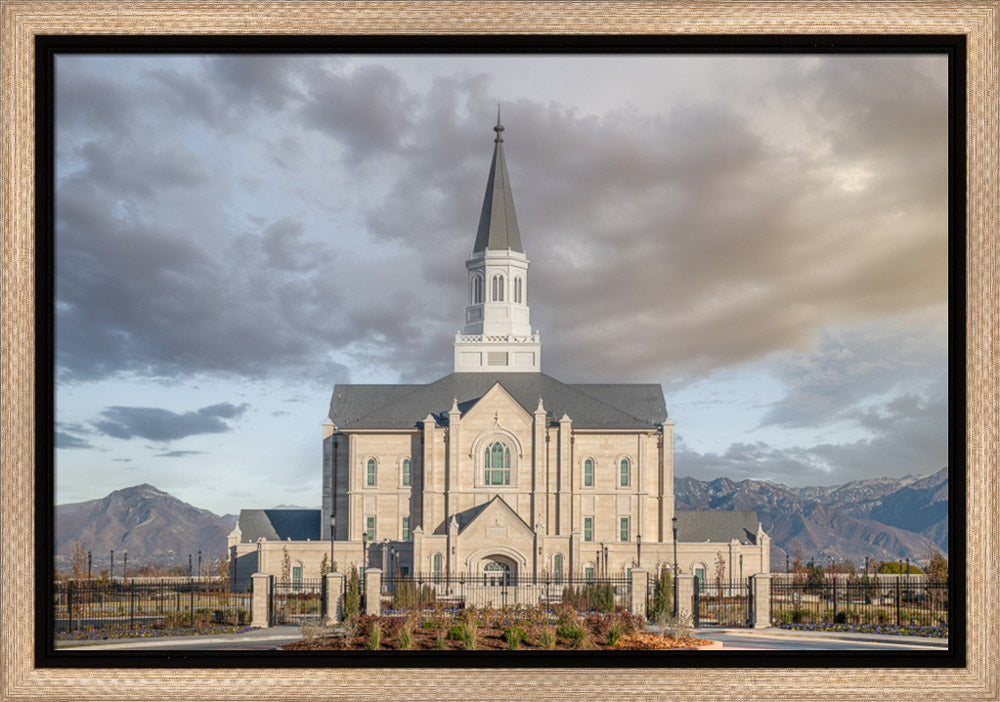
(498, 468)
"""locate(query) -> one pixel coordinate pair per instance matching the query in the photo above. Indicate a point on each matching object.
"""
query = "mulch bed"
(491, 638)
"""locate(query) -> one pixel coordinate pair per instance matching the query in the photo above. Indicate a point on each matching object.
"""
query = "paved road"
(255, 640)
(781, 640)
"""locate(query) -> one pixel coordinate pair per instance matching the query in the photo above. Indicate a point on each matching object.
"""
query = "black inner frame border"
(48, 47)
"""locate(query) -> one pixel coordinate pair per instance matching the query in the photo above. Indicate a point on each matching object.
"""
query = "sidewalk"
(777, 633)
(260, 639)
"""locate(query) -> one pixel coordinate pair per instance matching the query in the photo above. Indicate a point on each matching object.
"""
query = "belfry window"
(477, 289)
(517, 290)
(496, 464)
(498, 288)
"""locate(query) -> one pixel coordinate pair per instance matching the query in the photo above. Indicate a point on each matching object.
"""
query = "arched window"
(517, 289)
(406, 472)
(497, 464)
(498, 288)
(625, 470)
(477, 289)
(588, 473)
(557, 567)
(370, 480)
(437, 565)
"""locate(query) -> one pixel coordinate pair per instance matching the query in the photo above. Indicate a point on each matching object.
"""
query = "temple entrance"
(497, 571)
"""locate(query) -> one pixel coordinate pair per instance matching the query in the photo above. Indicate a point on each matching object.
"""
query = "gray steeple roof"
(498, 222)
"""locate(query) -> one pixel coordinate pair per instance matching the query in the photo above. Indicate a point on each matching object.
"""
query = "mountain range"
(882, 518)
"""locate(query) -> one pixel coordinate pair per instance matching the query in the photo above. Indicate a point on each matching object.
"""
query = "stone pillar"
(373, 591)
(685, 597)
(260, 601)
(335, 583)
(637, 602)
(761, 600)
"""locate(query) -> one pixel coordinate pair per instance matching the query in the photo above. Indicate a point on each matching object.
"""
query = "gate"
(723, 603)
(295, 600)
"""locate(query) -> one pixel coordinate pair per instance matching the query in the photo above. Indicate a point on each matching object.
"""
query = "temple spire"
(498, 222)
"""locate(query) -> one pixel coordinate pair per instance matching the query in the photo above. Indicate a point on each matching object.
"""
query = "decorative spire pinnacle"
(499, 128)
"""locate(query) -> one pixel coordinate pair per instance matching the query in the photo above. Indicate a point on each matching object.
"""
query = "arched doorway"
(498, 570)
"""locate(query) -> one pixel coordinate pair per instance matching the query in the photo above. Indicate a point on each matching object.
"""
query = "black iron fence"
(81, 605)
(292, 601)
(402, 593)
(882, 601)
(722, 603)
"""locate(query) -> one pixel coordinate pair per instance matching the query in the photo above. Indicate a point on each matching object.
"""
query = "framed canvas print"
(273, 329)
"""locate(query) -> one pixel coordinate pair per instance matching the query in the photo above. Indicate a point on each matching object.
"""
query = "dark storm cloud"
(65, 440)
(157, 424)
(662, 245)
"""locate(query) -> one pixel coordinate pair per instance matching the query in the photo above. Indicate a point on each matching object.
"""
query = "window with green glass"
(624, 472)
(406, 528)
(624, 529)
(497, 464)
(437, 565)
(588, 473)
(557, 566)
(371, 471)
(588, 573)
(588, 528)
(406, 472)
(370, 528)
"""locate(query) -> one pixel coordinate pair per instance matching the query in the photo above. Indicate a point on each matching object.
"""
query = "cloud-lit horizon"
(766, 236)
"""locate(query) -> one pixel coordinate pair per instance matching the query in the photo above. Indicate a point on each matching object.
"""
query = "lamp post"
(88, 565)
(606, 571)
(741, 567)
(638, 550)
(674, 521)
(112, 571)
(333, 533)
(199, 563)
(675, 547)
(385, 549)
(260, 543)
(786, 562)
(125, 567)
(364, 549)
(190, 567)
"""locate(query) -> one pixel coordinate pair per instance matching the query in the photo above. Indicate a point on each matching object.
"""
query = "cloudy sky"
(766, 236)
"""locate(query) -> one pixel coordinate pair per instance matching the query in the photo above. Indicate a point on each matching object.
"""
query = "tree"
(78, 561)
(799, 569)
(937, 566)
(286, 565)
(324, 565)
(720, 568)
(663, 595)
(352, 598)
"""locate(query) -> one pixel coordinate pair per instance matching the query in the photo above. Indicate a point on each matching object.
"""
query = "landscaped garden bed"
(489, 629)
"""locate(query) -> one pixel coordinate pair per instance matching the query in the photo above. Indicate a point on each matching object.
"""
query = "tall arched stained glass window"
(497, 464)
(557, 566)
(437, 565)
(406, 472)
(588, 473)
(625, 472)
(498, 288)
(371, 471)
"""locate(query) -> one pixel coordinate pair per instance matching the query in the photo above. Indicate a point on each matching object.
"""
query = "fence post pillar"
(334, 598)
(761, 601)
(260, 601)
(373, 591)
(637, 603)
(685, 597)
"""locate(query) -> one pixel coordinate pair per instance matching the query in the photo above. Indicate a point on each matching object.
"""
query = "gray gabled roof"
(590, 406)
(717, 526)
(279, 524)
(497, 221)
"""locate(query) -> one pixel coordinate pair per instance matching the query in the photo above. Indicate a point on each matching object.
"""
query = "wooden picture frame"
(21, 21)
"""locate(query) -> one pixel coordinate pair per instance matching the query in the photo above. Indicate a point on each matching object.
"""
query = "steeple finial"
(499, 128)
